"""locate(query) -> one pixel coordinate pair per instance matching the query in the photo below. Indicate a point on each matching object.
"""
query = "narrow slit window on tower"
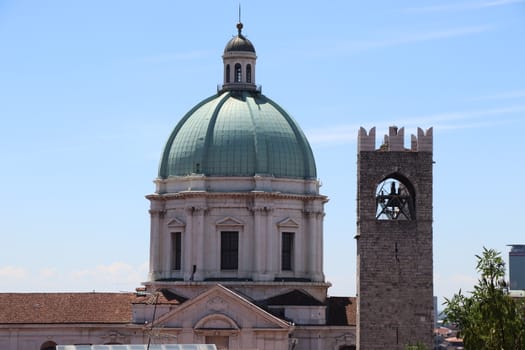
(176, 250)
(238, 73)
(394, 201)
(249, 73)
(227, 73)
(229, 250)
(287, 251)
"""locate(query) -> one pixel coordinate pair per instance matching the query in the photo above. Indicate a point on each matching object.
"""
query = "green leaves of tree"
(489, 319)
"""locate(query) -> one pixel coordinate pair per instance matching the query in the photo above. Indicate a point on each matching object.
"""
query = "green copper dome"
(238, 133)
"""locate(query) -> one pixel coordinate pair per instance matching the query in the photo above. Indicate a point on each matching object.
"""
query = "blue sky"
(90, 91)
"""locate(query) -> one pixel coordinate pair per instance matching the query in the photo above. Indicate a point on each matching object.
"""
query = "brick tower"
(394, 241)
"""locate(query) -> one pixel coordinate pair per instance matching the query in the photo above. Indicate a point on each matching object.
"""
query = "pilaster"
(260, 244)
(155, 263)
(187, 245)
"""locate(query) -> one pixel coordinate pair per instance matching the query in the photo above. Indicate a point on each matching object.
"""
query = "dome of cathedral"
(238, 133)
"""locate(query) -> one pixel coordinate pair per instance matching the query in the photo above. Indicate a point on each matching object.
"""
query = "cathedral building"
(236, 241)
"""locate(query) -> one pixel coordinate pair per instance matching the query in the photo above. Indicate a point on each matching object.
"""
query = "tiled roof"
(164, 296)
(38, 308)
(341, 311)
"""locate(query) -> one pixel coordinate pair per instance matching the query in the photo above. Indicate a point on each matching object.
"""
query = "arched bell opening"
(395, 199)
(227, 74)
(249, 73)
(238, 73)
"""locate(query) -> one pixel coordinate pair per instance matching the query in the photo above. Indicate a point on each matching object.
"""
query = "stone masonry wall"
(394, 258)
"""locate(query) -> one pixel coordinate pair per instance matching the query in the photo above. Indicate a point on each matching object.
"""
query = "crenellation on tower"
(366, 141)
(424, 140)
(395, 140)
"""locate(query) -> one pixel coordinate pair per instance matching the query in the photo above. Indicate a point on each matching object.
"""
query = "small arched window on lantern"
(249, 73)
(395, 200)
(227, 73)
(238, 73)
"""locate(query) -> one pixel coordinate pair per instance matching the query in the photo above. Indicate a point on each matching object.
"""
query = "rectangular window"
(229, 250)
(176, 250)
(287, 251)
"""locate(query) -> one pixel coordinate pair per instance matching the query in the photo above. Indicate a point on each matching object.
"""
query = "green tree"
(488, 319)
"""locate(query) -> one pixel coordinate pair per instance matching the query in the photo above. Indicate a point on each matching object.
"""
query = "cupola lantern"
(239, 63)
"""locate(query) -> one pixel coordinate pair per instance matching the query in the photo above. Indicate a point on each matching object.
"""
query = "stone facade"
(259, 216)
(394, 256)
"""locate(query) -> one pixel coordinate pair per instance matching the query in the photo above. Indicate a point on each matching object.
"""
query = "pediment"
(229, 221)
(288, 222)
(220, 307)
(174, 222)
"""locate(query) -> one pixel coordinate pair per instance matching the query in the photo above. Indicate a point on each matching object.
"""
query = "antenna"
(239, 24)
(239, 12)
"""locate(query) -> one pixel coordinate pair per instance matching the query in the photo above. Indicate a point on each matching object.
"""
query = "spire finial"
(239, 24)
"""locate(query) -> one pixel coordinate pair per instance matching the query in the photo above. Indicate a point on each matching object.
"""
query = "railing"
(239, 86)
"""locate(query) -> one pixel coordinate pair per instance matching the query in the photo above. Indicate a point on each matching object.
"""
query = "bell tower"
(394, 241)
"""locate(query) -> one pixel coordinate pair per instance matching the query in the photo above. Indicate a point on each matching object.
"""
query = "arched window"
(395, 200)
(227, 73)
(249, 73)
(48, 345)
(238, 73)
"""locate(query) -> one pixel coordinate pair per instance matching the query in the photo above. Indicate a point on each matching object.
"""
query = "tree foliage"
(488, 318)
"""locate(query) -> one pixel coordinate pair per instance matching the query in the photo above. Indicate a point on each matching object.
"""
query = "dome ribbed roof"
(238, 133)
(239, 43)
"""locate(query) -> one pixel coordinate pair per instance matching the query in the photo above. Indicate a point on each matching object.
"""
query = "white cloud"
(404, 39)
(47, 272)
(347, 133)
(334, 135)
(501, 96)
(342, 47)
(13, 272)
(116, 276)
(116, 272)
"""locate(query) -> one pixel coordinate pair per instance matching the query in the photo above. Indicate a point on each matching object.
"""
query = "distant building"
(517, 266)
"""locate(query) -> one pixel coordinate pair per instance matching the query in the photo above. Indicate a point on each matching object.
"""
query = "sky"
(91, 90)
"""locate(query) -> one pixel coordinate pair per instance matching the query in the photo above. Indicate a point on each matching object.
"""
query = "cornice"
(245, 195)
